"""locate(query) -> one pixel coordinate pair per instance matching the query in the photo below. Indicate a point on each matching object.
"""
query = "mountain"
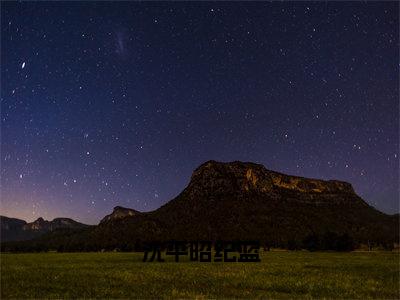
(246, 201)
(17, 230)
(11, 229)
(242, 200)
(120, 212)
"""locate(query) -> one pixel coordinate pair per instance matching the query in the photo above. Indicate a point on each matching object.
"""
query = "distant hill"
(245, 201)
(17, 230)
(120, 212)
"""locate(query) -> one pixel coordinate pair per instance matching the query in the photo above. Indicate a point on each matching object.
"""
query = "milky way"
(106, 104)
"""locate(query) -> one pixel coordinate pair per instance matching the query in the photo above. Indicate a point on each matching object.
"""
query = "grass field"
(124, 275)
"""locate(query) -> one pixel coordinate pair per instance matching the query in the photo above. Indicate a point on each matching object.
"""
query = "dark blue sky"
(115, 103)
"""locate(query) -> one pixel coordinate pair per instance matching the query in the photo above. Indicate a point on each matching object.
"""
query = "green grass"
(124, 275)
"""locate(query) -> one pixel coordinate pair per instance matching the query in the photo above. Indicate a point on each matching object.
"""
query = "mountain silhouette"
(240, 201)
(17, 230)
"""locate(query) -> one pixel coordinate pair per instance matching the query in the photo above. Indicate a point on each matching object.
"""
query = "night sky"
(116, 103)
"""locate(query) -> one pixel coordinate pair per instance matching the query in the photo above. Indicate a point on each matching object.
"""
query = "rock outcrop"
(120, 212)
(240, 177)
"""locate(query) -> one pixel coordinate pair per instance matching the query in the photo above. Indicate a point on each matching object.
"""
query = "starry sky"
(116, 103)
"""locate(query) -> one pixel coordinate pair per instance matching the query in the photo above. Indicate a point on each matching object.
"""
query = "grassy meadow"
(280, 274)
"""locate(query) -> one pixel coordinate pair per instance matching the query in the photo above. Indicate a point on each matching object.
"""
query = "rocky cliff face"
(120, 212)
(307, 185)
(38, 224)
(240, 177)
(240, 180)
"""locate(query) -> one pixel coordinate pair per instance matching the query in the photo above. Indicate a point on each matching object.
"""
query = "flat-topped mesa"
(243, 176)
(120, 212)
